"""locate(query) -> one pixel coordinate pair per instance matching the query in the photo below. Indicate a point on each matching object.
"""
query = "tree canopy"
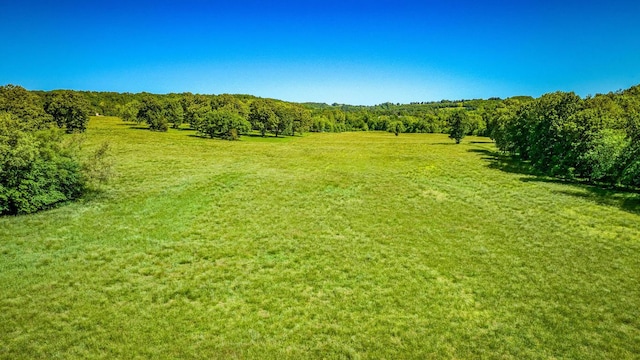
(69, 110)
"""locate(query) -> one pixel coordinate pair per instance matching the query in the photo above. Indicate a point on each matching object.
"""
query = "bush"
(37, 170)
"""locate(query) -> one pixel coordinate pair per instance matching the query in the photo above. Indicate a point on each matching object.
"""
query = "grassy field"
(352, 245)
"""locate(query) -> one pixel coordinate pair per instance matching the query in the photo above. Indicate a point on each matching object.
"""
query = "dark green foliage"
(37, 169)
(262, 117)
(195, 107)
(24, 105)
(151, 112)
(560, 134)
(458, 125)
(224, 124)
(174, 113)
(70, 110)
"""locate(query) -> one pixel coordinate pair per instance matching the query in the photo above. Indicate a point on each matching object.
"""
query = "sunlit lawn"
(352, 245)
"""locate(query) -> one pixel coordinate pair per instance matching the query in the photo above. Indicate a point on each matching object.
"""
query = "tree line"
(223, 116)
(596, 139)
(269, 116)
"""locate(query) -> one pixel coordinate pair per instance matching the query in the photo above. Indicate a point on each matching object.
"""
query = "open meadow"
(330, 245)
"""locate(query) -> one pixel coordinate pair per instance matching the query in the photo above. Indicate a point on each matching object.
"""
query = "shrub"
(37, 170)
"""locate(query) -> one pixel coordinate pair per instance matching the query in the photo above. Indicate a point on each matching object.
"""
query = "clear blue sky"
(349, 51)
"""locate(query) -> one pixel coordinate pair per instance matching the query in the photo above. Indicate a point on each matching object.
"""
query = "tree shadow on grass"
(506, 163)
(134, 126)
(622, 198)
(269, 136)
(216, 137)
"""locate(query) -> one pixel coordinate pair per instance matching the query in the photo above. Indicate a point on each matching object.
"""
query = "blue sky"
(349, 51)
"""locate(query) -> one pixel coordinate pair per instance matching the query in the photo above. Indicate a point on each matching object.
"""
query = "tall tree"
(458, 125)
(174, 113)
(396, 127)
(224, 124)
(151, 112)
(301, 120)
(70, 110)
(285, 115)
(261, 116)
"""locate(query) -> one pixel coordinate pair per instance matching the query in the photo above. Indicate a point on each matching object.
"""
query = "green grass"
(352, 245)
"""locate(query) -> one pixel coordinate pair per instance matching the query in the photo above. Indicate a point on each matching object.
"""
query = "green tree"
(301, 120)
(69, 110)
(285, 117)
(230, 103)
(26, 106)
(605, 154)
(458, 125)
(37, 168)
(194, 108)
(223, 123)
(396, 127)
(174, 113)
(129, 111)
(151, 112)
(320, 123)
(261, 116)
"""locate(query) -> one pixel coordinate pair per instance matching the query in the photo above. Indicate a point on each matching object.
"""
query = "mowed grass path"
(353, 245)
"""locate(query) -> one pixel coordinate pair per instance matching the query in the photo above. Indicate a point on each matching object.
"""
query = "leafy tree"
(195, 107)
(129, 111)
(630, 160)
(458, 125)
(476, 124)
(69, 110)
(26, 106)
(301, 120)
(37, 169)
(605, 154)
(224, 124)
(285, 116)
(151, 112)
(396, 127)
(230, 103)
(498, 120)
(261, 116)
(174, 113)
(321, 124)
